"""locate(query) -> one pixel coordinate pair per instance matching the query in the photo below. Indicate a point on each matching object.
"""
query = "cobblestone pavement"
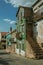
(13, 59)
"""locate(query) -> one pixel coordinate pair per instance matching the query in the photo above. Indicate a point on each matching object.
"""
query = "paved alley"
(13, 59)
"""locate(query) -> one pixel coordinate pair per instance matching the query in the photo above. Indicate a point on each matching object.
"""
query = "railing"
(35, 46)
(38, 16)
(3, 39)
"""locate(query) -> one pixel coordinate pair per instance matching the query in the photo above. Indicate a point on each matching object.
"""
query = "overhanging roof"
(22, 7)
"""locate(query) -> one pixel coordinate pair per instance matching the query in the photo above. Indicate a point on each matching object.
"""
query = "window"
(5, 37)
(21, 16)
(2, 36)
(22, 46)
(42, 44)
(17, 45)
(27, 19)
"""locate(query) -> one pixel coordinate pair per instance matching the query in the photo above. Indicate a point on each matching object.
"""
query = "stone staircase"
(35, 47)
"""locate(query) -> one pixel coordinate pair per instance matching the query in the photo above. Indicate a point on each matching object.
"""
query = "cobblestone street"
(13, 59)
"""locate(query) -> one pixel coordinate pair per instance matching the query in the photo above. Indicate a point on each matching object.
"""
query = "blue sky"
(8, 10)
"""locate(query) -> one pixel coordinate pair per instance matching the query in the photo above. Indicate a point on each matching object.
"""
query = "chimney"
(10, 29)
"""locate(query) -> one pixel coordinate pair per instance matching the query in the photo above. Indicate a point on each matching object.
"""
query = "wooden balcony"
(38, 16)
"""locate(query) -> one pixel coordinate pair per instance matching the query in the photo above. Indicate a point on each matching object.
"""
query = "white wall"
(19, 14)
(40, 31)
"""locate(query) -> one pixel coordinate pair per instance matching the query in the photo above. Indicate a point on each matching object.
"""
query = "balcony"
(12, 40)
(3, 40)
(38, 16)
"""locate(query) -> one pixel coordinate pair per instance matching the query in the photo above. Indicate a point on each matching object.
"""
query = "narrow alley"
(21, 32)
(14, 59)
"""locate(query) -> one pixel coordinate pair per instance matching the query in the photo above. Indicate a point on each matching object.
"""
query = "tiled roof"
(4, 33)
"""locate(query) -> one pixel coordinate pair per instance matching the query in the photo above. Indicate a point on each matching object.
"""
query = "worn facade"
(38, 25)
(38, 18)
(24, 29)
(28, 30)
(20, 32)
(11, 42)
(3, 40)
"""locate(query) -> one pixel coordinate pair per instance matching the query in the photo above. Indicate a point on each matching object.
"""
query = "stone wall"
(29, 51)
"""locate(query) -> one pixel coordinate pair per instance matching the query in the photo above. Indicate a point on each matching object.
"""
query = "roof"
(9, 36)
(10, 32)
(3, 33)
(13, 31)
(22, 7)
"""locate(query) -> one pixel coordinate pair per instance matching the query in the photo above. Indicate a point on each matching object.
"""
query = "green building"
(23, 15)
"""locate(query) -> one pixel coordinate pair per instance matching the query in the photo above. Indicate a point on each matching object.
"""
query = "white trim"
(17, 51)
(38, 8)
(37, 4)
(22, 53)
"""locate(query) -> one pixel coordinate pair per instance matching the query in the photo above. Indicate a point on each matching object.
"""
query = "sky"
(8, 10)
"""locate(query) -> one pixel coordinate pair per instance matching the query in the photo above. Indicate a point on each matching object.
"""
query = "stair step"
(39, 54)
(39, 57)
(36, 48)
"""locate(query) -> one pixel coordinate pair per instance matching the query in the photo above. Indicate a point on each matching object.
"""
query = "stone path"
(14, 59)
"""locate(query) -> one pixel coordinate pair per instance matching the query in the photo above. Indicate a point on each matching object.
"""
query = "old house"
(8, 42)
(3, 40)
(24, 28)
(27, 33)
(38, 18)
(38, 27)
(11, 41)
